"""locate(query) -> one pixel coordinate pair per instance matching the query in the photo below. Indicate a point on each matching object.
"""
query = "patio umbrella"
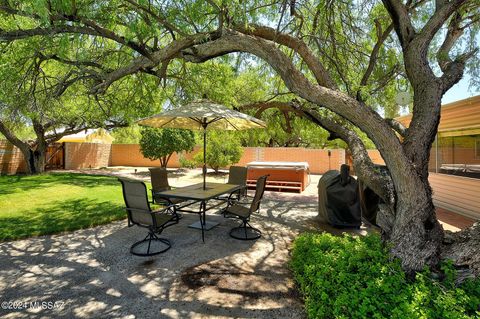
(202, 115)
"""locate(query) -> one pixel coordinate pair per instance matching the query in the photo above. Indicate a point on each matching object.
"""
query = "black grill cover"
(338, 199)
(369, 200)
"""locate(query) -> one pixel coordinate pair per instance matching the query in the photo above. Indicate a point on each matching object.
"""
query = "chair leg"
(151, 237)
(245, 232)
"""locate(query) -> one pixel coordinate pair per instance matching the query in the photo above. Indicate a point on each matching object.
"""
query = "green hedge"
(353, 277)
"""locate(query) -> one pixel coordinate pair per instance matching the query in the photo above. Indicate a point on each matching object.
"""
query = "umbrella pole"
(204, 157)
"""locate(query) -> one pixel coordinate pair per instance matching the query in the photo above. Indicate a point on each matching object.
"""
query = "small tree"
(162, 143)
(222, 150)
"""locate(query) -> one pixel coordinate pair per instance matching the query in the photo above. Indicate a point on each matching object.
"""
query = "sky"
(460, 91)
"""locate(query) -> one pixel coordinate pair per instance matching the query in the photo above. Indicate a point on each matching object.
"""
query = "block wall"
(11, 159)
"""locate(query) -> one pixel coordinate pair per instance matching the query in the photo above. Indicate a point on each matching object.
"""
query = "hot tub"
(284, 176)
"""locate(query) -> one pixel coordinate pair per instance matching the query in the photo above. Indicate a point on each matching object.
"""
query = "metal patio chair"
(237, 175)
(245, 231)
(139, 213)
(159, 180)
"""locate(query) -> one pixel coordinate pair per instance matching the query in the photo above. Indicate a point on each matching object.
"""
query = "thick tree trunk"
(35, 160)
(416, 235)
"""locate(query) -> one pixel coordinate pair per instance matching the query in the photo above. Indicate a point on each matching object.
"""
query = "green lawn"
(53, 203)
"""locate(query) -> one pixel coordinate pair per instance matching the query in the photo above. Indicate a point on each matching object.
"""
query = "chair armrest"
(138, 210)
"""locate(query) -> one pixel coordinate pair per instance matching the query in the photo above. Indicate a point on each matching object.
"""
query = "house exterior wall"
(463, 114)
(460, 121)
(457, 194)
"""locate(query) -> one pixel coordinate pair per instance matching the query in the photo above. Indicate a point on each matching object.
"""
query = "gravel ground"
(90, 273)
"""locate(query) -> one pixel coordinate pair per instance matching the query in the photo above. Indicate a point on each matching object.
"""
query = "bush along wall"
(355, 277)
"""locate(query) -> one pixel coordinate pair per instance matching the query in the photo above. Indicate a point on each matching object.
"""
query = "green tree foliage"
(162, 143)
(240, 88)
(223, 150)
(51, 97)
(127, 135)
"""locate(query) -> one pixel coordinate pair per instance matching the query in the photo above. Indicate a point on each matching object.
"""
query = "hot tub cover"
(295, 165)
(338, 201)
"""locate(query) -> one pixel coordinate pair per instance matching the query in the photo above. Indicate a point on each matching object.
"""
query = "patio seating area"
(91, 272)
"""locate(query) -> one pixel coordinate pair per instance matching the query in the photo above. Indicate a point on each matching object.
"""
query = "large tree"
(42, 93)
(339, 58)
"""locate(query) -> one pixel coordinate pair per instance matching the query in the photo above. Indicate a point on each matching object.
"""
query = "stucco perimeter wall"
(319, 160)
(93, 155)
(87, 155)
(11, 159)
(130, 155)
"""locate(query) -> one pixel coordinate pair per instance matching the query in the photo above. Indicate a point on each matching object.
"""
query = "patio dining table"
(197, 194)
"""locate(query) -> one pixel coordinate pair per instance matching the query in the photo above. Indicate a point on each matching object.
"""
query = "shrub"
(354, 277)
(223, 149)
(186, 163)
(162, 143)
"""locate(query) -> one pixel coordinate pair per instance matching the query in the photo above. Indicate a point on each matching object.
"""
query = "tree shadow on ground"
(93, 273)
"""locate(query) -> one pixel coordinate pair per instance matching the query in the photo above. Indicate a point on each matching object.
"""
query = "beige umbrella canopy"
(203, 115)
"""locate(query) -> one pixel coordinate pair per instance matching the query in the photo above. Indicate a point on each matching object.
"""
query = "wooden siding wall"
(459, 115)
(456, 193)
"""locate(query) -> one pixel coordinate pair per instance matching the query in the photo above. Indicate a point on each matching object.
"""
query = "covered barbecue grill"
(338, 199)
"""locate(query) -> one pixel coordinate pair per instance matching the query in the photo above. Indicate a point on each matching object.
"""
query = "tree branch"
(11, 137)
(72, 62)
(381, 37)
(89, 28)
(381, 185)
(161, 20)
(397, 126)
(73, 129)
(454, 70)
(321, 75)
(443, 11)
(263, 106)
(401, 21)
(28, 33)
(141, 64)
